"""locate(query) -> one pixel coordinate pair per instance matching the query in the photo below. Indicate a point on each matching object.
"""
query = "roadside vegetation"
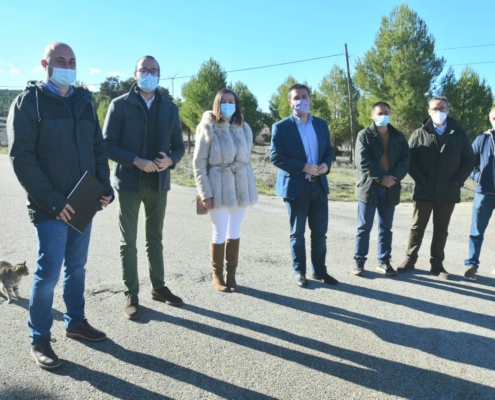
(342, 178)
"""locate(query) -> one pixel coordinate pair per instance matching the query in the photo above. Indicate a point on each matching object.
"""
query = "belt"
(312, 178)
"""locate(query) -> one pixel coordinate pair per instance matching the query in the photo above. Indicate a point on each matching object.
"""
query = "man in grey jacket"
(54, 138)
(382, 161)
(144, 137)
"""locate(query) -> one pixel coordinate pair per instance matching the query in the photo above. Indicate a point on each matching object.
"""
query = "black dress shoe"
(326, 278)
(329, 280)
(301, 280)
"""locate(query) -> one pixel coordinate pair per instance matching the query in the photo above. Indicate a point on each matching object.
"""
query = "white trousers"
(226, 223)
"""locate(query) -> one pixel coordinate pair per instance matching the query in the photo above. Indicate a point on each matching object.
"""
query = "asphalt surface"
(414, 336)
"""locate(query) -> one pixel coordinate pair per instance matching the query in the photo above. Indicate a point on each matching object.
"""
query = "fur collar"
(209, 118)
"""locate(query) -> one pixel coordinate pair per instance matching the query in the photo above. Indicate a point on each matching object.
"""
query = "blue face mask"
(382, 120)
(227, 110)
(62, 77)
(147, 83)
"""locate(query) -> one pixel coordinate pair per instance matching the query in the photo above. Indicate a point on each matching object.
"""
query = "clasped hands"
(388, 181)
(314, 169)
(157, 165)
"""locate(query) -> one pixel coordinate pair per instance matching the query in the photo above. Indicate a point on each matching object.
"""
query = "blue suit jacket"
(287, 153)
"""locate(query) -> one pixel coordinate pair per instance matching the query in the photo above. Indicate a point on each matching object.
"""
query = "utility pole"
(351, 106)
(172, 79)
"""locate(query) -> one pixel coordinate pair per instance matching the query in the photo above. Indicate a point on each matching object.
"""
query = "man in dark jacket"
(484, 199)
(382, 161)
(54, 138)
(441, 161)
(144, 137)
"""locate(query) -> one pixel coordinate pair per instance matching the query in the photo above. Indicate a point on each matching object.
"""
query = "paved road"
(414, 336)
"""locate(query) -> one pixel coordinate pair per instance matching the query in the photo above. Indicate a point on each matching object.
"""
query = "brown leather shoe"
(85, 331)
(131, 310)
(44, 355)
(164, 294)
(407, 265)
(440, 272)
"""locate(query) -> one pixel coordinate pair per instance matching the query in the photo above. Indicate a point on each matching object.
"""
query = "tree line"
(401, 68)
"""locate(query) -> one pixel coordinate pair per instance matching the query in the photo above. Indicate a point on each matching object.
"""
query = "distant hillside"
(6, 99)
(3, 132)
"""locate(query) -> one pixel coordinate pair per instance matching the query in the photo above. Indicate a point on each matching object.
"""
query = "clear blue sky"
(109, 36)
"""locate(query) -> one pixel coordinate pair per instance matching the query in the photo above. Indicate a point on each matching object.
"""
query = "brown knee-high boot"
(231, 258)
(217, 252)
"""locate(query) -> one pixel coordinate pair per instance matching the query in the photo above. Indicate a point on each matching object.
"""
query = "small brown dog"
(10, 277)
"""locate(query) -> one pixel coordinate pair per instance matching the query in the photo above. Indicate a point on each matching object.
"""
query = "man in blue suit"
(302, 151)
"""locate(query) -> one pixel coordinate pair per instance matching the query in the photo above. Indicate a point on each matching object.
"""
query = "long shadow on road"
(373, 372)
(456, 314)
(157, 365)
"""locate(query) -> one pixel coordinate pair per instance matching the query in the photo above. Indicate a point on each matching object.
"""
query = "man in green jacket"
(144, 137)
(441, 160)
(382, 161)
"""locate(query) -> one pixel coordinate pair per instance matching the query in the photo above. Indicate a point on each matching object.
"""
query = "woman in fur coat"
(225, 181)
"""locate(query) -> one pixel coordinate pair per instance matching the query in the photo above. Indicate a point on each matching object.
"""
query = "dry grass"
(342, 178)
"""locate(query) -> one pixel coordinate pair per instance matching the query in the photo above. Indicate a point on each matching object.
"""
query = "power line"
(271, 65)
(467, 47)
(482, 62)
(236, 70)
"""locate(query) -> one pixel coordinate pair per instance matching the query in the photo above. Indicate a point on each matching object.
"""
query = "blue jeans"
(311, 205)
(57, 243)
(483, 205)
(366, 215)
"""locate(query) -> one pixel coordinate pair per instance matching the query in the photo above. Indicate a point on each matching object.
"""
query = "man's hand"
(105, 200)
(65, 214)
(145, 165)
(208, 203)
(163, 163)
(311, 169)
(322, 169)
(388, 181)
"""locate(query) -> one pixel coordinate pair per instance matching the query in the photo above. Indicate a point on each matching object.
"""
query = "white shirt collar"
(148, 102)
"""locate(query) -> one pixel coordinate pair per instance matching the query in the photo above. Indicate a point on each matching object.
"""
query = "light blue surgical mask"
(227, 110)
(147, 83)
(63, 77)
(382, 120)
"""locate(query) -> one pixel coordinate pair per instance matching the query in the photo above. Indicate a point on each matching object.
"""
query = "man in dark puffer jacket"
(54, 138)
(441, 161)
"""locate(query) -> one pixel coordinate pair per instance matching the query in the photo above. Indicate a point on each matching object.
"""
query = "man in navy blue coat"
(302, 151)
(484, 200)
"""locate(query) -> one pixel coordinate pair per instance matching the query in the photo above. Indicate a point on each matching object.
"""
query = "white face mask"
(63, 77)
(493, 125)
(438, 117)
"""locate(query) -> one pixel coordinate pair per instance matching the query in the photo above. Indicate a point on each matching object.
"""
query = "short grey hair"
(442, 98)
(492, 111)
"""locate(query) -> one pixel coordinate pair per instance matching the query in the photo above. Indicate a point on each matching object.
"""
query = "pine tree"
(401, 68)
(470, 99)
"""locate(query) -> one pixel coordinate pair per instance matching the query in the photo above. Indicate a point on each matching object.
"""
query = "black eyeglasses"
(442, 109)
(144, 71)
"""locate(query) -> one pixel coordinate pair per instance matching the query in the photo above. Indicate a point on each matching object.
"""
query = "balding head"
(58, 49)
(492, 118)
(58, 55)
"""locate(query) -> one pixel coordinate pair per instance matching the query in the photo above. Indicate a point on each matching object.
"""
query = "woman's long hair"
(236, 117)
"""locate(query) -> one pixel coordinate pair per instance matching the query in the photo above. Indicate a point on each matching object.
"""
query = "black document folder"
(85, 201)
